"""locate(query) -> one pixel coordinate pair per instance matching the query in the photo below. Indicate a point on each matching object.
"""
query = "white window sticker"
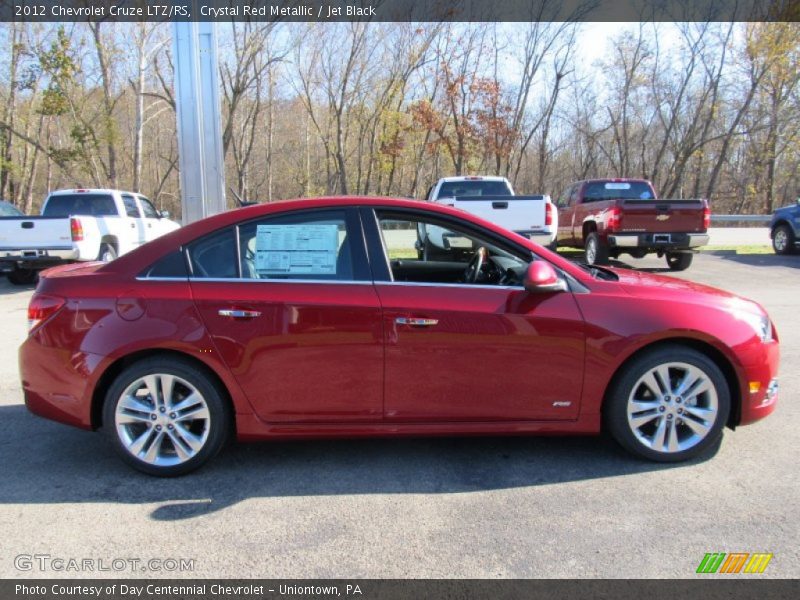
(296, 249)
(618, 186)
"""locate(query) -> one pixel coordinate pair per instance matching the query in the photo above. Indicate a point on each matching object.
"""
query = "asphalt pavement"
(429, 508)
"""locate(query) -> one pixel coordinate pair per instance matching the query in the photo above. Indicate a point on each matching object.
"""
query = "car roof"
(188, 233)
(461, 178)
(91, 191)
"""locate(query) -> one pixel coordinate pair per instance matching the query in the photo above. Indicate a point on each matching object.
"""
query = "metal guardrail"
(741, 218)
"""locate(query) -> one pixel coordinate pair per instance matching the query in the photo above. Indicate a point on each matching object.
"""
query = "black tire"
(595, 250)
(553, 246)
(107, 253)
(783, 239)
(635, 438)
(209, 430)
(679, 261)
(23, 276)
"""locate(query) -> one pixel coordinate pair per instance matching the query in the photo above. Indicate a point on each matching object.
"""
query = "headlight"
(760, 324)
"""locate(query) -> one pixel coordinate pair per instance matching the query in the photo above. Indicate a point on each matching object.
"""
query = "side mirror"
(541, 278)
(164, 214)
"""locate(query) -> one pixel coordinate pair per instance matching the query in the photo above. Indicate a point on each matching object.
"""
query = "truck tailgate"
(685, 216)
(517, 213)
(33, 233)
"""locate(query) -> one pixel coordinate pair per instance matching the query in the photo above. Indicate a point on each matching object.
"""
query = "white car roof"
(91, 191)
(473, 178)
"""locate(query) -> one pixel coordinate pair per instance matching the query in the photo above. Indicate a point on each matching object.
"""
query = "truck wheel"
(23, 276)
(107, 253)
(596, 251)
(783, 239)
(679, 261)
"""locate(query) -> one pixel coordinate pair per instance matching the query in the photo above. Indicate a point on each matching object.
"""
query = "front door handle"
(416, 321)
(239, 314)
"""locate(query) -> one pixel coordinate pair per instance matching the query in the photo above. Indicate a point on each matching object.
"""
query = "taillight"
(548, 214)
(706, 217)
(613, 219)
(41, 308)
(76, 229)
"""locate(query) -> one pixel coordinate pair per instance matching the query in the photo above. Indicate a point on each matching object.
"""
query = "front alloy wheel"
(166, 417)
(670, 405)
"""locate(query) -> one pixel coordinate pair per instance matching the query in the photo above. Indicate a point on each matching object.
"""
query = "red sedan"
(321, 318)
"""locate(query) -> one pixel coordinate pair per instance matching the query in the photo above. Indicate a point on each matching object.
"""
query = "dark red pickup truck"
(609, 217)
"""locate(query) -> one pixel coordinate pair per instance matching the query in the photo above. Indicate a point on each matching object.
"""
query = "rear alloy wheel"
(783, 240)
(23, 276)
(670, 405)
(596, 251)
(166, 416)
(107, 253)
(679, 261)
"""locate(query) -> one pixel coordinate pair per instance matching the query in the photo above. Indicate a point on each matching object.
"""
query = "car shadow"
(49, 463)
(758, 260)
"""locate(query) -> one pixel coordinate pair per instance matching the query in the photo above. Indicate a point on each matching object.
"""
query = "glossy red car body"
(330, 360)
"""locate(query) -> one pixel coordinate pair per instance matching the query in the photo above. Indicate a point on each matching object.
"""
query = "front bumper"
(658, 240)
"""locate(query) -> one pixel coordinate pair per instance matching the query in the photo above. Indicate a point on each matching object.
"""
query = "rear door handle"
(416, 321)
(238, 314)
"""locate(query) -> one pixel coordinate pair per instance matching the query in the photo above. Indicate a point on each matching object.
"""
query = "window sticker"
(618, 186)
(296, 249)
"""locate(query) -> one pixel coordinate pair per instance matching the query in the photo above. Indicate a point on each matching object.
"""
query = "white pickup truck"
(492, 198)
(78, 225)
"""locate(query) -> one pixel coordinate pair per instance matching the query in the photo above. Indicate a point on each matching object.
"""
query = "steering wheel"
(473, 270)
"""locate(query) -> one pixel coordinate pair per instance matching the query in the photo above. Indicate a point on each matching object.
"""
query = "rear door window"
(130, 206)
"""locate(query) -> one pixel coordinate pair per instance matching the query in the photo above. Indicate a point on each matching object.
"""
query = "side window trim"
(378, 248)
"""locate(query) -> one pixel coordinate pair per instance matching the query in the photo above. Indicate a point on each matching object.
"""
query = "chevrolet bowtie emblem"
(662, 217)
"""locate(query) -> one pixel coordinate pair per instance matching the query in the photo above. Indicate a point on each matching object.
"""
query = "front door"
(463, 345)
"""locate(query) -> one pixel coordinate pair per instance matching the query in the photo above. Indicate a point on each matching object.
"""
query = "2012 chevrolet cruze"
(321, 318)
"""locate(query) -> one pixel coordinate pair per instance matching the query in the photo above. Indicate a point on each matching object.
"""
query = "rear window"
(612, 190)
(473, 189)
(95, 205)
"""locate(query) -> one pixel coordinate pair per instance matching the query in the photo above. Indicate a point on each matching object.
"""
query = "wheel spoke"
(190, 401)
(151, 455)
(672, 444)
(662, 376)
(136, 446)
(192, 441)
(643, 419)
(151, 383)
(651, 382)
(637, 406)
(132, 403)
(704, 415)
(128, 417)
(660, 435)
(701, 429)
(197, 412)
(179, 445)
(167, 385)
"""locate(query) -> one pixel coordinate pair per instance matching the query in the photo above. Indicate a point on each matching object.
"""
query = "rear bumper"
(36, 258)
(543, 237)
(658, 240)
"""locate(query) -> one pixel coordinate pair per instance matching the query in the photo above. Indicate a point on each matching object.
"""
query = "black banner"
(400, 10)
(391, 589)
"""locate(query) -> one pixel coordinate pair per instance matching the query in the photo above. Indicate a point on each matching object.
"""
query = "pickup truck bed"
(606, 223)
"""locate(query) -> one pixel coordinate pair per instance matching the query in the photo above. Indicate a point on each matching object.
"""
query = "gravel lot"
(489, 507)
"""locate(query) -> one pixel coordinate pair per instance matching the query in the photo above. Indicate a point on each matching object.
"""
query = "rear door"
(291, 307)
(134, 225)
